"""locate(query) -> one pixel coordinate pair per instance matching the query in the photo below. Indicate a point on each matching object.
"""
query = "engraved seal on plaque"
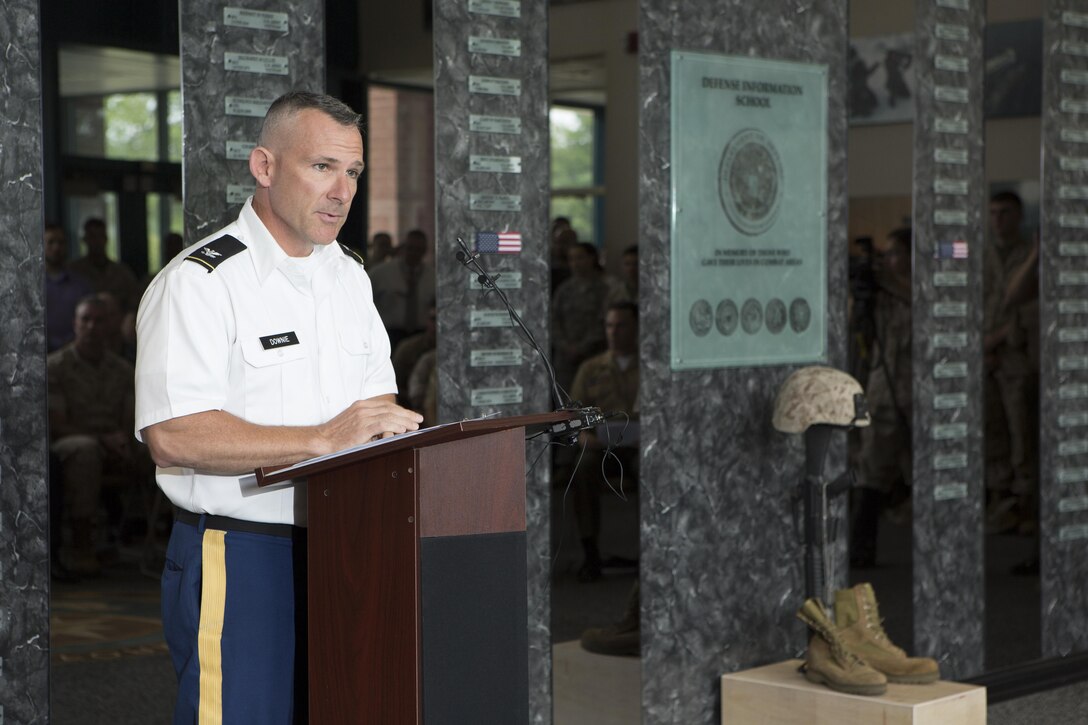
(775, 316)
(800, 314)
(726, 317)
(751, 316)
(701, 317)
(750, 181)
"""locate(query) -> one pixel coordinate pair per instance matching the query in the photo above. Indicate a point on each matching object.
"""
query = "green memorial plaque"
(749, 212)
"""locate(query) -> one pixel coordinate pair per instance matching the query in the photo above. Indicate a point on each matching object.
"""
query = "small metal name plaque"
(505, 8)
(1075, 135)
(1073, 221)
(950, 491)
(948, 370)
(950, 309)
(950, 156)
(956, 63)
(953, 340)
(1067, 363)
(494, 202)
(1070, 105)
(494, 124)
(946, 31)
(949, 401)
(491, 85)
(1073, 249)
(272, 65)
(1078, 20)
(1070, 504)
(239, 150)
(949, 461)
(238, 193)
(1072, 475)
(494, 46)
(1073, 163)
(1072, 307)
(949, 217)
(504, 280)
(1073, 334)
(954, 4)
(495, 358)
(489, 318)
(255, 19)
(1073, 532)
(956, 187)
(495, 164)
(950, 279)
(950, 94)
(1072, 278)
(1073, 391)
(253, 107)
(1071, 191)
(1073, 448)
(1073, 420)
(950, 125)
(1075, 77)
(481, 397)
(949, 431)
(1072, 47)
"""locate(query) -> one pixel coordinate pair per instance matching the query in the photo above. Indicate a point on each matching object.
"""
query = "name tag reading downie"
(281, 339)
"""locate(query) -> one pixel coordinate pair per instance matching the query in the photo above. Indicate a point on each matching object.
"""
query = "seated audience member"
(608, 381)
(104, 274)
(91, 416)
(562, 239)
(403, 287)
(63, 289)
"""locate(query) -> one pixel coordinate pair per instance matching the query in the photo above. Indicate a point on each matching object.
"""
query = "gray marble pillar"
(491, 113)
(237, 56)
(24, 497)
(1063, 322)
(721, 560)
(949, 204)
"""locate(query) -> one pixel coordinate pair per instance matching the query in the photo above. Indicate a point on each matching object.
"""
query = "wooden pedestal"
(780, 694)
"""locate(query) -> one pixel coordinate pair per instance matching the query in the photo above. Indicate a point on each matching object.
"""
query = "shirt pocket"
(355, 351)
(268, 374)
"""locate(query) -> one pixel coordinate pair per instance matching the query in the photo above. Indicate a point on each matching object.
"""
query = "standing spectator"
(578, 307)
(626, 287)
(104, 274)
(403, 287)
(379, 250)
(63, 289)
(408, 353)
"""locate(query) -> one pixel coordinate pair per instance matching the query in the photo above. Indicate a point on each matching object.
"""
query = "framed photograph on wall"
(880, 79)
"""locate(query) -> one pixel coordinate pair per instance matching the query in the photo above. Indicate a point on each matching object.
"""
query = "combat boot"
(829, 662)
(858, 622)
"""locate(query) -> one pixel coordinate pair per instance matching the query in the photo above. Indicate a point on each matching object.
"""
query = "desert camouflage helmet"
(819, 395)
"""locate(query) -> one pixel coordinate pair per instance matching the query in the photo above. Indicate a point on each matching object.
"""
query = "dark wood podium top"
(268, 475)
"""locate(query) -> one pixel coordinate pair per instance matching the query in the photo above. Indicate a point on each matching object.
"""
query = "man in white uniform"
(258, 346)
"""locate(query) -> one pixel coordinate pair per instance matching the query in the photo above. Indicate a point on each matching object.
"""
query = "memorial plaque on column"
(1063, 324)
(949, 234)
(236, 58)
(492, 183)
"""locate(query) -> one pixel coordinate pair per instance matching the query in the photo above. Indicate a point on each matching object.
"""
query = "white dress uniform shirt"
(271, 339)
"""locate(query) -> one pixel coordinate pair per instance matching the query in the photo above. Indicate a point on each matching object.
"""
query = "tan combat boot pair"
(854, 654)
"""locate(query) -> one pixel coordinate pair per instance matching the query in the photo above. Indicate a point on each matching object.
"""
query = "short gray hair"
(292, 103)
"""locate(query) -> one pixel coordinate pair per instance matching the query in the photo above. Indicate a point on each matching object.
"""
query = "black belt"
(225, 523)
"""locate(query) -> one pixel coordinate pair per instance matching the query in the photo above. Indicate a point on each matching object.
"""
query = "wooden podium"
(417, 599)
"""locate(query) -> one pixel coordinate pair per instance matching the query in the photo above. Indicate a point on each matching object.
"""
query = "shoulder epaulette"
(215, 252)
(351, 252)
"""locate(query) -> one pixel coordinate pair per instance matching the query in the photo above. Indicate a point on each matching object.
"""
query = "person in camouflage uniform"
(886, 443)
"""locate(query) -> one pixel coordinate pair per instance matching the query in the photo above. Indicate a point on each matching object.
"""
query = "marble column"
(949, 221)
(491, 175)
(236, 58)
(721, 559)
(24, 496)
(1063, 324)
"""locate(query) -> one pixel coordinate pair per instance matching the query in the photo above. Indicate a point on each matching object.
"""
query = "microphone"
(587, 417)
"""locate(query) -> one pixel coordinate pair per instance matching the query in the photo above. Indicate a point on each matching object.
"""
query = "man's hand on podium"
(367, 420)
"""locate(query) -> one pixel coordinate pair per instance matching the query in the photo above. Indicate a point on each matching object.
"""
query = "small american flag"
(955, 249)
(498, 242)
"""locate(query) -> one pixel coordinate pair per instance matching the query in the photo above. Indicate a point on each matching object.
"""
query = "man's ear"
(262, 165)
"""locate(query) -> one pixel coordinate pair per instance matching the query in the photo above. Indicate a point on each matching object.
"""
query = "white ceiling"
(87, 70)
